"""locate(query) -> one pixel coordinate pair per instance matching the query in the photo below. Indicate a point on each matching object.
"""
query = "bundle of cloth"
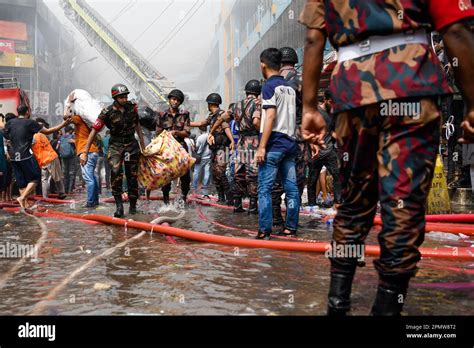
(79, 102)
(163, 161)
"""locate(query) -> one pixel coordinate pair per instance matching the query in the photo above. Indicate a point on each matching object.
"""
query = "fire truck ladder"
(152, 85)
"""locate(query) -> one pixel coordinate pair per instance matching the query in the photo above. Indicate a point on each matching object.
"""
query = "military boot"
(253, 207)
(119, 206)
(132, 210)
(238, 205)
(221, 196)
(339, 298)
(391, 295)
(229, 199)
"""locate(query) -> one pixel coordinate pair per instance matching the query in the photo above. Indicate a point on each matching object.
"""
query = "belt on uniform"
(122, 139)
(249, 133)
(375, 44)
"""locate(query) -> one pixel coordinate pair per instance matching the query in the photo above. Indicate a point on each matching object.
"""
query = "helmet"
(146, 117)
(288, 55)
(177, 94)
(253, 87)
(119, 89)
(214, 98)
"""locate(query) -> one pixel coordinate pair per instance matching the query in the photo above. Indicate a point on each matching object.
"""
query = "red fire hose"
(125, 199)
(52, 200)
(55, 215)
(441, 227)
(457, 253)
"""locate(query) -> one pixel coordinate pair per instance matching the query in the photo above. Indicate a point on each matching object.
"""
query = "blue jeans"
(92, 183)
(284, 164)
(205, 165)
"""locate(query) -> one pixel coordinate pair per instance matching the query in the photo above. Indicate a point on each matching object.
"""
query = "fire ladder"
(152, 85)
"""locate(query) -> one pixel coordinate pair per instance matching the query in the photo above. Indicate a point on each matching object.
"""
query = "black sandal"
(263, 235)
(288, 233)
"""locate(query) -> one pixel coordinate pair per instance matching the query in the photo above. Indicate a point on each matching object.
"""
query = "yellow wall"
(17, 60)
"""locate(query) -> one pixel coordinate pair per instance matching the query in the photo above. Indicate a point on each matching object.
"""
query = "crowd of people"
(53, 154)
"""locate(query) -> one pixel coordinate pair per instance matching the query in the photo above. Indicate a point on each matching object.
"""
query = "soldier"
(383, 67)
(293, 77)
(246, 171)
(218, 143)
(122, 119)
(178, 123)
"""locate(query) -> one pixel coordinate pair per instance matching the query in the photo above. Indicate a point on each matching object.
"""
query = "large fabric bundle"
(80, 102)
(162, 161)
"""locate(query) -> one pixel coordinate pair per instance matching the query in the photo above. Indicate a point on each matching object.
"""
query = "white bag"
(80, 102)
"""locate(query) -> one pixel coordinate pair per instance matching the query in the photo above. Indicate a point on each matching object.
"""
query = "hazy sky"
(180, 60)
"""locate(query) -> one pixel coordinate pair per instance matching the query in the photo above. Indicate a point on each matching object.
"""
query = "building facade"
(36, 51)
(245, 28)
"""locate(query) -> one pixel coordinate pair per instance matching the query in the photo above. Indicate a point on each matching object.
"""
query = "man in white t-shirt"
(278, 147)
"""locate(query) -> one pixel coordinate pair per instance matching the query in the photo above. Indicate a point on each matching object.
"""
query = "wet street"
(158, 275)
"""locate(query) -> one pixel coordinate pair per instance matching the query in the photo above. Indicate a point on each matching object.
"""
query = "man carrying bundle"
(122, 119)
(177, 122)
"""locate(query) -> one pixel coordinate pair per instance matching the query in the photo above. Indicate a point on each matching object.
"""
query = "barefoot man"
(20, 131)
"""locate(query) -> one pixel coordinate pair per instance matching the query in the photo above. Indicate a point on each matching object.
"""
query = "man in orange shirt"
(82, 132)
(48, 161)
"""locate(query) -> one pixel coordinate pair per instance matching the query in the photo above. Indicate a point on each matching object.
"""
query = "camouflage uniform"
(123, 147)
(246, 171)
(219, 153)
(384, 156)
(304, 155)
(179, 122)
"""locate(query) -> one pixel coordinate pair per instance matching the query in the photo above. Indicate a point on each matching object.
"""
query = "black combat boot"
(229, 199)
(166, 198)
(221, 196)
(253, 207)
(238, 205)
(339, 298)
(391, 295)
(119, 206)
(132, 210)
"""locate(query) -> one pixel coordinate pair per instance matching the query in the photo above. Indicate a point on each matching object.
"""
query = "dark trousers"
(330, 161)
(69, 170)
(185, 182)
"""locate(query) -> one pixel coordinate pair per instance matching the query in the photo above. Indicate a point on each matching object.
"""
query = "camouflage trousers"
(218, 167)
(302, 162)
(124, 155)
(246, 170)
(390, 159)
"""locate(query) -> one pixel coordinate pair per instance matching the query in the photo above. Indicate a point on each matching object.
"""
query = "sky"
(180, 59)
